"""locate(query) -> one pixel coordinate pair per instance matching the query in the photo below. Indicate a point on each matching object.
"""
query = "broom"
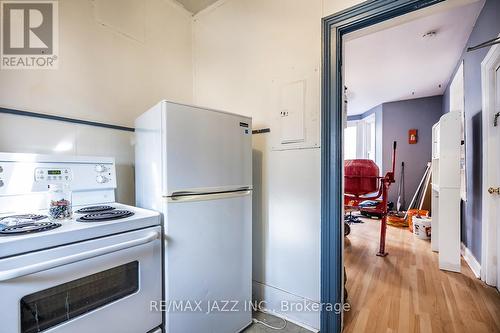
(397, 219)
(401, 188)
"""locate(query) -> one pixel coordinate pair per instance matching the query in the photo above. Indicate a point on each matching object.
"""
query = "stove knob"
(100, 168)
(101, 179)
(1, 169)
(1, 183)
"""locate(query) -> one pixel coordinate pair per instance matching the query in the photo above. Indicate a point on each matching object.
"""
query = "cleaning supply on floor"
(415, 201)
(422, 226)
(413, 212)
(396, 219)
(372, 208)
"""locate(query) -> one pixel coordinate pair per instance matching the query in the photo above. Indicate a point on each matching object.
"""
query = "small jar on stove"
(59, 198)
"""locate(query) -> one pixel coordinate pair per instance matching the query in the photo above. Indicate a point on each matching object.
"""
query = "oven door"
(102, 285)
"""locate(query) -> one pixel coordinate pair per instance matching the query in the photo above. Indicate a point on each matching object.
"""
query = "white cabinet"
(446, 140)
(435, 187)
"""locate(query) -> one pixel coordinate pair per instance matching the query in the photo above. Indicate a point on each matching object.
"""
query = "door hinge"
(495, 119)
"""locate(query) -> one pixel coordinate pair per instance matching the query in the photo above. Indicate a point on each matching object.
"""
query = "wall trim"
(271, 298)
(355, 117)
(207, 10)
(261, 131)
(469, 258)
(65, 119)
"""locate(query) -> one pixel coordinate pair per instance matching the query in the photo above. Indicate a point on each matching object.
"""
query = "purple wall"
(487, 27)
(398, 118)
(392, 122)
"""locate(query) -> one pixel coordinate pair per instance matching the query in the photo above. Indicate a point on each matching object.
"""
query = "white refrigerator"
(194, 166)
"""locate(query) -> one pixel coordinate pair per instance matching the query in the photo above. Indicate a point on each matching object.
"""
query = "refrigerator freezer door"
(206, 150)
(208, 260)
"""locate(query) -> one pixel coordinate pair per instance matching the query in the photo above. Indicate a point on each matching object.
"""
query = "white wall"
(117, 58)
(20, 134)
(244, 52)
(333, 6)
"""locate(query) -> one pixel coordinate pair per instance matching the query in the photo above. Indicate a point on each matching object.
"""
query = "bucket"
(415, 212)
(422, 227)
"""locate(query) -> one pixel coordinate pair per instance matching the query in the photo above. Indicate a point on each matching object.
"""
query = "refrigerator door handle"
(212, 190)
(209, 196)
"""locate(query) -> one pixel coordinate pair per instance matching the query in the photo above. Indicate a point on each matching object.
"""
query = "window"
(350, 139)
(369, 138)
(359, 139)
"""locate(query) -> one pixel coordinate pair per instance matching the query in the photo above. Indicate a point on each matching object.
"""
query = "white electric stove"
(98, 272)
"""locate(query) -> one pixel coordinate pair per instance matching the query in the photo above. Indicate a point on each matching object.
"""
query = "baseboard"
(444, 266)
(271, 298)
(284, 317)
(245, 327)
(469, 258)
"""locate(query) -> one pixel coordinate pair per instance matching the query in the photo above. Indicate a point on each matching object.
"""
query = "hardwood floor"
(406, 291)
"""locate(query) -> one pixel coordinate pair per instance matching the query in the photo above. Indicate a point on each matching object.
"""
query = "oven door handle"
(46, 265)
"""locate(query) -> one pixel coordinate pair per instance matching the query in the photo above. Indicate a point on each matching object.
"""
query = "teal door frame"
(334, 28)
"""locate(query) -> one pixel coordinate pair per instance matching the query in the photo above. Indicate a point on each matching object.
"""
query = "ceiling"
(398, 63)
(194, 6)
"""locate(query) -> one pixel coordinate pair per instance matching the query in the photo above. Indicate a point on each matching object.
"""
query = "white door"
(490, 257)
(208, 259)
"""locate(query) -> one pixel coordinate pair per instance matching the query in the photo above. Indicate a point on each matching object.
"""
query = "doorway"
(335, 30)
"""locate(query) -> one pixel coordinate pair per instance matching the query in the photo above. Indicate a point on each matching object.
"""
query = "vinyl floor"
(273, 321)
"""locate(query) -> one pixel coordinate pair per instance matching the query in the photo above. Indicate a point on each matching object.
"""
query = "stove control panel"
(101, 168)
(24, 179)
(101, 179)
(103, 173)
(53, 174)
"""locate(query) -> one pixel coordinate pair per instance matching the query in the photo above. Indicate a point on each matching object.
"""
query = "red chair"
(362, 182)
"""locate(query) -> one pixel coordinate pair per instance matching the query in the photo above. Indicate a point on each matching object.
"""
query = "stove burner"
(114, 214)
(94, 209)
(16, 219)
(26, 228)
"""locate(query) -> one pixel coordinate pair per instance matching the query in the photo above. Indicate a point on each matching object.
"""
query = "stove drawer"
(102, 285)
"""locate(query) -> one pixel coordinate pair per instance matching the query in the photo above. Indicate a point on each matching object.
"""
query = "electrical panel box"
(296, 113)
(292, 107)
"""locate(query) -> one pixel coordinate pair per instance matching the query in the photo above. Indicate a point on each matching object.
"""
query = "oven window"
(50, 307)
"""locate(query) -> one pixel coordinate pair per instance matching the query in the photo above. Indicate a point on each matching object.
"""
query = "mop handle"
(394, 158)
